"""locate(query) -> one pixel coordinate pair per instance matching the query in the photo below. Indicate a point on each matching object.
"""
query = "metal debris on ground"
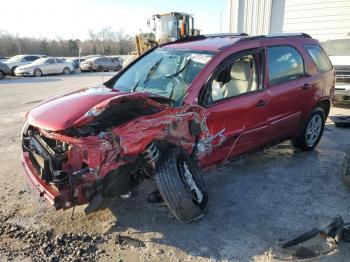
(316, 242)
(128, 241)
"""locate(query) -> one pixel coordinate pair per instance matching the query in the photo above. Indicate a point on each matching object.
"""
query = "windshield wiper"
(151, 71)
(134, 88)
(153, 68)
(181, 70)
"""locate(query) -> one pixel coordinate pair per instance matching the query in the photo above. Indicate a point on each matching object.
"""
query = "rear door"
(236, 107)
(287, 87)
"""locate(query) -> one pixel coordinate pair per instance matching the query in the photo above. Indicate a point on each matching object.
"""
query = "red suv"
(178, 108)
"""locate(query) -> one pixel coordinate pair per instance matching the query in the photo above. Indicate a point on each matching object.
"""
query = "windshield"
(40, 61)
(166, 27)
(339, 47)
(165, 72)
(92, 59)
(15, 58)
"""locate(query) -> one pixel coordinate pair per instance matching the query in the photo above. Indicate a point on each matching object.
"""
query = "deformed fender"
(172, 125)
(183, 126)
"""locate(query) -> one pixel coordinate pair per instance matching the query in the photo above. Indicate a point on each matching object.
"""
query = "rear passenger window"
(319, 57)
(285, 64)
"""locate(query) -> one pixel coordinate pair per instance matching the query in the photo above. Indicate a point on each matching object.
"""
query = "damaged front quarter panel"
(69, 166)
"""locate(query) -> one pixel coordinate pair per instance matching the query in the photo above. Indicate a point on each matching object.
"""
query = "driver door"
(236, 106)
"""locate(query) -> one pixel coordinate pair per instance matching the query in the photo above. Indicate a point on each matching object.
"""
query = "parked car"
(4, 70)
(3, 59)
(75, 61)
(339, 53)
(20, 60)
(99, 64)
(186, 105)
(45, 66)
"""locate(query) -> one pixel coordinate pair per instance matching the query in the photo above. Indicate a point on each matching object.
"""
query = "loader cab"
(172, 26)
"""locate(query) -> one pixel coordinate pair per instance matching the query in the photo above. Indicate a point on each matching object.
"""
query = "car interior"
(238, 78)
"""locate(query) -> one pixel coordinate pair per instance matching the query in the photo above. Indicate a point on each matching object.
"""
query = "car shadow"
(255, 201)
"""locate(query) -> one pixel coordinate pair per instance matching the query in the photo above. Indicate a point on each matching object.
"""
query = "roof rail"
(201, 37)
(274, 36)
(289, 35)
(226, 35)
(185, 39)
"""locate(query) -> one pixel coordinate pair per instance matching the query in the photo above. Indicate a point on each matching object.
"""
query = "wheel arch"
(325, 104)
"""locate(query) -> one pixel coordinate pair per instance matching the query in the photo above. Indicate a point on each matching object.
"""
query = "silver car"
(21, 60)
(339, 53)
(45, 66)
(100, 64)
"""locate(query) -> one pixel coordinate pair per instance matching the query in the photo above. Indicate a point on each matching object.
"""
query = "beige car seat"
(216, 90)
(242, 77)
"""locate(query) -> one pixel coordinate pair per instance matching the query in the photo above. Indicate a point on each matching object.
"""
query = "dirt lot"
(254, 202)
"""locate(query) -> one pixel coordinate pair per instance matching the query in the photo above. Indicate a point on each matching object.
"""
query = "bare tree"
(106, 41)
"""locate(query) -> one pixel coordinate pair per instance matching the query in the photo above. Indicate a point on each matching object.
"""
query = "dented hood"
(77, 108)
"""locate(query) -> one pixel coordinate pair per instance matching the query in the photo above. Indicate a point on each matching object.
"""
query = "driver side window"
(235, 79)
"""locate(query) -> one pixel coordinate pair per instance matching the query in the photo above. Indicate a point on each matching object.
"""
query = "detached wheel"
(181, 185)
(66, 71)
(37, 73)
(312, 132)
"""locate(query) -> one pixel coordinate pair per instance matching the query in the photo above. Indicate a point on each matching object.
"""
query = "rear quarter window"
(319, 57)
(285, 64)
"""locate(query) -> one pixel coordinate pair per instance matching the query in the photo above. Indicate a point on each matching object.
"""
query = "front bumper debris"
(57, 199)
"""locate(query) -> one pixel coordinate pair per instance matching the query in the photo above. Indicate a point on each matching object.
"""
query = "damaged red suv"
(177, 109)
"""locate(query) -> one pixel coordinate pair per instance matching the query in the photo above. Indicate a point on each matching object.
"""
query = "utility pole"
(220, 22)
(19, 46)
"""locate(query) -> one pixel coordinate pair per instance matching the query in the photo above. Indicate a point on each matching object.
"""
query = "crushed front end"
(104, 153)
(61, 169)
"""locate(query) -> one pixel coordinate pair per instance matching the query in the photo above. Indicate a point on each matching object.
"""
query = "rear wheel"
(66, 71)
(181, 185)
(312, 132)
(2, 75)
(37, 73)
(99, 69)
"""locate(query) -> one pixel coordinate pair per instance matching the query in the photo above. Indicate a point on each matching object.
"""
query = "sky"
(74, 18)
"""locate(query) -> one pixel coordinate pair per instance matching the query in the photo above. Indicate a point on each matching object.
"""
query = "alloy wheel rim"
(313, 130)
(191, 183)
(37, 73)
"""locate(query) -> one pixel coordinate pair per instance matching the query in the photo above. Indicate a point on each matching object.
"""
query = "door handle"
(261, 103)
(306, 86)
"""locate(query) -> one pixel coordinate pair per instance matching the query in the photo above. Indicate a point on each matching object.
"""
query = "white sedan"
(45, 66)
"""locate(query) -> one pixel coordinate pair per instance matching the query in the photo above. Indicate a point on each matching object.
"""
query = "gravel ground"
(254, 202)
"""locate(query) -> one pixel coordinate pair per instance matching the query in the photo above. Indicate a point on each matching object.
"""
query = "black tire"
(301, 141)
(13, 71)
(174, 188)
(66, 71)
(37, 72)
(99, 69)
(2, 75)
